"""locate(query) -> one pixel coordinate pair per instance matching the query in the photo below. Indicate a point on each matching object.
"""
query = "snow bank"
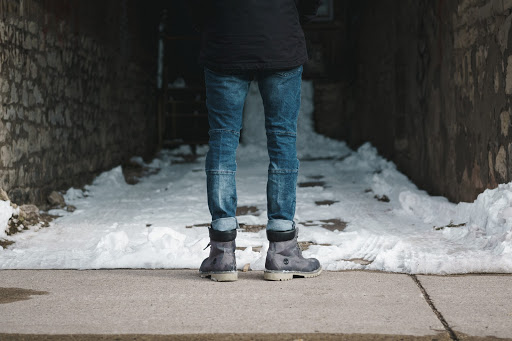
(6, 212)
(425, 234)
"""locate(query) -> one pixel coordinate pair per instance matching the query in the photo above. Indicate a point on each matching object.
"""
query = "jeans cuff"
(225, 224)
(280, 225)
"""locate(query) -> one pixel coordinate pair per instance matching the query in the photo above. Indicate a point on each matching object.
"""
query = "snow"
(6, 212)
(116, 225)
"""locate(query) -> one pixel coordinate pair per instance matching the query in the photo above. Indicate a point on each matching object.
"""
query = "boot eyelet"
(286, 261)
(214, 261)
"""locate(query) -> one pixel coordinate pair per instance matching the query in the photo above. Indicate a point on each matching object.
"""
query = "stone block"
(5, 156)
(3, 111)
(32, 27)
(24, 95)
(4, 86)
(14, 94)
(3, 132)
(41, 60)
(505, 123)
(17, 73)
(20, 113)
(27, 43)
(503, 32)
(3, 195)
(508, 79)
(29, 212)
(20, 149)
(33, 70)
(501, 163)
(11, 112)
(38, 96)
(56, 199)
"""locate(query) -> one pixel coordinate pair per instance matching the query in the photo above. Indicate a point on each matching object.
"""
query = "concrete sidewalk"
(146, 304)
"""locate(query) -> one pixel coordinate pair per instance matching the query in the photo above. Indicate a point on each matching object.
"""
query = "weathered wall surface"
(76, 93)
(331, 67)
(432, 90)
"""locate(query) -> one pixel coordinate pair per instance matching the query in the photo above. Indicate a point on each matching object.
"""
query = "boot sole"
(271, 275)
(221, 276)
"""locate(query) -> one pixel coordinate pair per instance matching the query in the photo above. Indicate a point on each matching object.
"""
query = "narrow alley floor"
(354, 211)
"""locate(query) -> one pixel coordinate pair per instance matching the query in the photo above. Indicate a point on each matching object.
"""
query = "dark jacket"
(253, 34)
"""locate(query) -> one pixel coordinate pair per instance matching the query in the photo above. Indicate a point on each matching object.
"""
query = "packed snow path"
(354, 211)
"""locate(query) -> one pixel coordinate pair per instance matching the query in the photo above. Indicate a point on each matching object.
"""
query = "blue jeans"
(225, 97)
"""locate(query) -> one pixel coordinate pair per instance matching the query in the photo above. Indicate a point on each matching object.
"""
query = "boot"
(220, 266)
(284, 258)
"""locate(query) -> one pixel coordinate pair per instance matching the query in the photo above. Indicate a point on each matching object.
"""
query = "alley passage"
(354, 211)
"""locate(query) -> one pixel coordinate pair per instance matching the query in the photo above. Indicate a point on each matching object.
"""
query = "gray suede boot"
(284, 258)
(220, 266)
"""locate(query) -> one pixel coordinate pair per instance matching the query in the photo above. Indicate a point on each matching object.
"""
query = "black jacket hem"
(283, 65)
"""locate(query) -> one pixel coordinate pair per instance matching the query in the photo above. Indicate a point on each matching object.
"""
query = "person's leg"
(280, 91)
(225, 97)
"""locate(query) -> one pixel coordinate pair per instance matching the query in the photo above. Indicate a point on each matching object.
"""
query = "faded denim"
(225, 97)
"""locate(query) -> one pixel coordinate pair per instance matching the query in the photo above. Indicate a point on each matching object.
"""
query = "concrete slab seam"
(440, 316)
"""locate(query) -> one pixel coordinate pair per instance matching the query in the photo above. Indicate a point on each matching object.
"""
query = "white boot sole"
(271, 275)
(221, 276)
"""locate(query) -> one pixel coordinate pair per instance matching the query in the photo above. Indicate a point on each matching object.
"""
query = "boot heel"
(277, 276)
(225, 277)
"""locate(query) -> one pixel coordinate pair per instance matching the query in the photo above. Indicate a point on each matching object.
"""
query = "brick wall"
(76, 93)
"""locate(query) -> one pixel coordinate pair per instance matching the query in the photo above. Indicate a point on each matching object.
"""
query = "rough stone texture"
(56, 199)
(3, 195)
(76, 93)
(431, 90)
(29, 212)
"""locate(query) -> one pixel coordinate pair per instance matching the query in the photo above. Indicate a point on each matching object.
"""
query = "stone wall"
(76, 93)
(432, 90)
